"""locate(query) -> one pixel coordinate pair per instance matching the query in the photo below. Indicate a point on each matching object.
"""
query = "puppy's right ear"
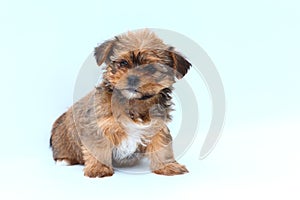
(104, 51)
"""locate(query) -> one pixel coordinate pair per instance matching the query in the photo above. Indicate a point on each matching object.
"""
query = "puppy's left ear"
(104, 51)
(180, 64)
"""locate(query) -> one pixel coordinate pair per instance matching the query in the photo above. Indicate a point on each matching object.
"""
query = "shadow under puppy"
(125, 117)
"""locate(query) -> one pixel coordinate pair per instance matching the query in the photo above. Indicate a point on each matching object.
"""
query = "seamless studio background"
(255, 46)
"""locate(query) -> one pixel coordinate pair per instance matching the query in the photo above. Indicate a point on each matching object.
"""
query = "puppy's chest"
(138, 114)
(137, 134)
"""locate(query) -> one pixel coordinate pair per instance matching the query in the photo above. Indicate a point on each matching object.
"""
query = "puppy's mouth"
(133, 93)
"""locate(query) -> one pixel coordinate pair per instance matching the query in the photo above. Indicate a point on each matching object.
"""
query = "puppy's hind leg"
(65, 147)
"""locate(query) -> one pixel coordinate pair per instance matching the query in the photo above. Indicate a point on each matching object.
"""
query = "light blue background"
(254, 44)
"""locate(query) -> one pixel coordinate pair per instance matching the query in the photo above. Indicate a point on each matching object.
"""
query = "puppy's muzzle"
(145, 81)
(133, 81)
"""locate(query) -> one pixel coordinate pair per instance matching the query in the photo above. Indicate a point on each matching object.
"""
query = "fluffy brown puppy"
(125, 117)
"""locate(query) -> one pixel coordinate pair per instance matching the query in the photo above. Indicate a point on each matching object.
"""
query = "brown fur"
(133, 100)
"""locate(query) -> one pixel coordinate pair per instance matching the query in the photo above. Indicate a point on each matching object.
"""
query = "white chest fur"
(127, 147)
(136, 134)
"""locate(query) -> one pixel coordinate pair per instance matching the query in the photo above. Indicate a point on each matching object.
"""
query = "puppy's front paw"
(99, 170)
(171, 169)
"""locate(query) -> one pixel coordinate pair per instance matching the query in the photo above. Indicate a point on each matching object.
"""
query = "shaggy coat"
(126, 116)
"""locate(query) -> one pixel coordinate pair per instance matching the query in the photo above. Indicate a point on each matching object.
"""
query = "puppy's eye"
(122, 63)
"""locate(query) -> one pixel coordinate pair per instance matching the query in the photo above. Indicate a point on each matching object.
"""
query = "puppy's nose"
(133, 80)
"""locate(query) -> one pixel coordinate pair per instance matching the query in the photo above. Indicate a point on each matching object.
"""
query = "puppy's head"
(139, 64)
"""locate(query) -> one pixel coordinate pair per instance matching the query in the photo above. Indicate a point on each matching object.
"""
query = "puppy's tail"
(50, 142)
(56, 124)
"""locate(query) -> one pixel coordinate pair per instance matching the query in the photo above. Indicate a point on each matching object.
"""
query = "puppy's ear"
(180, 64)
(104, 51)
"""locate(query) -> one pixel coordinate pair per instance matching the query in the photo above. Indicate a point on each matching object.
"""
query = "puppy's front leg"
(98, 146)
(160, 153)
(98, 159)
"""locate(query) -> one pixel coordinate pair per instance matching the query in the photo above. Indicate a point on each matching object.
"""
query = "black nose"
(133, 80)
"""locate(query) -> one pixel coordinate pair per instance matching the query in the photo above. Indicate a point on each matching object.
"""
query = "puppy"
(125, 117)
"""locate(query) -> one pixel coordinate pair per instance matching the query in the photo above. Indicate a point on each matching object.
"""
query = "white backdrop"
(255, 46)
